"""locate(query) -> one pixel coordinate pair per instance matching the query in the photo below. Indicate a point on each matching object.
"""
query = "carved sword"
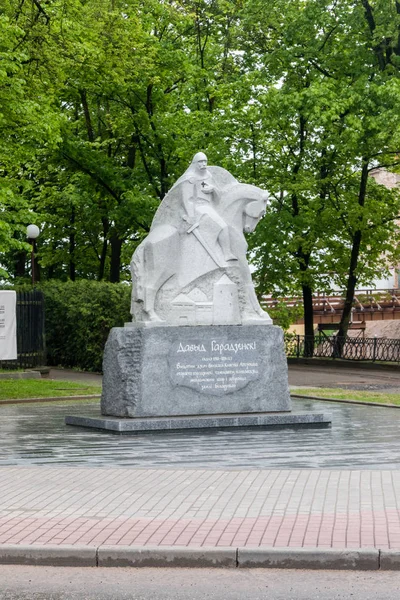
(193, 229)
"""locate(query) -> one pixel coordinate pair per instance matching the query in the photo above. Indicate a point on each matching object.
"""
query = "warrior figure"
(198, 195)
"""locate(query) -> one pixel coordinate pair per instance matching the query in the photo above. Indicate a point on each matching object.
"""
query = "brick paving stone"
(189, 507)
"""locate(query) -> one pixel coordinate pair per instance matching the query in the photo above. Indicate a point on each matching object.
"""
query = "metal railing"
(363, 299)
(348, 348)
(31, 349)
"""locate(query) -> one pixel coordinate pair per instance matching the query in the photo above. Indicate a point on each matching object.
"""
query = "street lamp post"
(32, 232)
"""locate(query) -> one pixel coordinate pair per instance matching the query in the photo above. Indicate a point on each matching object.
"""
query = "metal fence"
(31, 349)
(348, 348)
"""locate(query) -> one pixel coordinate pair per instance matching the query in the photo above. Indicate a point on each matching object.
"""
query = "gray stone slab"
(137, 425)
(390, 560)
(50, 555)
(309, 558)
(166, 556)
(203, 370)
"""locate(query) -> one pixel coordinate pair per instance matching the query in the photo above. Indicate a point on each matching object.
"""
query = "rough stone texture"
(206, 557)
(126, 425)
(304, 558)
(167, 556)
(51, 555)
(204, 370)
(390, 560)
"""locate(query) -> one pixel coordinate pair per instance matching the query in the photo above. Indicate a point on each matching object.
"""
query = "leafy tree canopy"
(104, 102)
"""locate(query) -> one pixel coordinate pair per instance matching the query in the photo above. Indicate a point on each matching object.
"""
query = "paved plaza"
(200, 507)
(305, 489)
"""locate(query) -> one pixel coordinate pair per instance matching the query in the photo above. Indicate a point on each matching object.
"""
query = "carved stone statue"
(192, 268)
(230, 369)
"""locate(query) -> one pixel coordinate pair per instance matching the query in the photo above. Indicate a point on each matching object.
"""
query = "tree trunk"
(115, 266)
(304, 261)
(163, 177)
(302, 257)
(72, 265)
(351, 286)
(103, 255)
(86, 112)
(352, 278)
(308, 320)
(348, 303)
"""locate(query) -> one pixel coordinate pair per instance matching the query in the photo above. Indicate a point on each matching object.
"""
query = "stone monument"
(192, 267)
(200, 351)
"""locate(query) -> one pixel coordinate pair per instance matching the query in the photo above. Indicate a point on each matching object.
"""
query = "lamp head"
(32, 232)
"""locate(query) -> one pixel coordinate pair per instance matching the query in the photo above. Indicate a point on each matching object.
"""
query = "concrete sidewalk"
(84, 514)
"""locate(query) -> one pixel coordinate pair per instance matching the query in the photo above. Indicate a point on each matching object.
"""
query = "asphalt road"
(47, 583)
(345, 377)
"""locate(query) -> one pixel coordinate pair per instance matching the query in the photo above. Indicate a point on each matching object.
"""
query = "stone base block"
(202, 370)
(153, 425)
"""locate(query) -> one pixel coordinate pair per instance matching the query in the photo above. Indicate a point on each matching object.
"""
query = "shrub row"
(78, 318)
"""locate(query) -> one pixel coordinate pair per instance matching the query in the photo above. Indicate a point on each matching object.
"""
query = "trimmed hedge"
(78, 318)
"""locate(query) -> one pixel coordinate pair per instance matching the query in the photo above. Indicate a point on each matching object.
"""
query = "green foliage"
(326, 92)
(104, 103)
(78, 318)
(27, 124)
(284, 315)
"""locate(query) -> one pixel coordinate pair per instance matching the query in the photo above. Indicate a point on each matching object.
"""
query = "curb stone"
(361, 559)
(166, 556)
(309, 558)
(390, 560)
(48, 555)
(49, 399)
(21, 375)
(344, 400)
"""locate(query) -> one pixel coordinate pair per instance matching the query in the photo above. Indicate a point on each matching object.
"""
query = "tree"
(26, 121)
(297, 96)
(379, 143)
(133, 93)
(327, 114)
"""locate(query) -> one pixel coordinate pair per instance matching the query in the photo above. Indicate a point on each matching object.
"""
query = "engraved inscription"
(215, 367)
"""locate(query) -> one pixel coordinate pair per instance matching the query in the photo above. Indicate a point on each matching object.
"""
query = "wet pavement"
(361, 437)
(286, 488)
(351, 377)
(77, 376)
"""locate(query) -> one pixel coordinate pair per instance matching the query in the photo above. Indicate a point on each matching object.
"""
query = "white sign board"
(8, 325)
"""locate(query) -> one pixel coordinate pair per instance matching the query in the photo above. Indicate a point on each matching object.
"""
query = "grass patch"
(341, 394)
(12, 389)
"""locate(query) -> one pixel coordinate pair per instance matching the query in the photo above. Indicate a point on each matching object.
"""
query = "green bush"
(79, 316)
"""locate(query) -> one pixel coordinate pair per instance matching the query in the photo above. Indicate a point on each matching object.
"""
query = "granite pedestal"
(162, 424)
(174, 377)
(203, 370)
